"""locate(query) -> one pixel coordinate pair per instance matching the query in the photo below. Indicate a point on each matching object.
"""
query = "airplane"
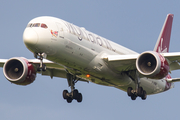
(65, 50)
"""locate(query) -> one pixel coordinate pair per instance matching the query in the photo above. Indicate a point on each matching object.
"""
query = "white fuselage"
(81, 53)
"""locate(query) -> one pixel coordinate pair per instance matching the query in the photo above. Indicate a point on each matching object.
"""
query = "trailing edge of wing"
(122, 62)
(122, 57)
(49, 64)
(173, 56)
(174, 60)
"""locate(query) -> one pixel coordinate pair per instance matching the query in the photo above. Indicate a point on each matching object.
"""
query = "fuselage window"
(44, 25)
(36, 24)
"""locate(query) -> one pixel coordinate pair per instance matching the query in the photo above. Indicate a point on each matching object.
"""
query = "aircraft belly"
(152, 86)
(149, 85)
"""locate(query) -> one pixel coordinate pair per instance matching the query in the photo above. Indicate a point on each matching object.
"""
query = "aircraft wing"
(173, 80)
(2, 61)
(52, 69)
(122, 62)
(128, 62)
(173, 59)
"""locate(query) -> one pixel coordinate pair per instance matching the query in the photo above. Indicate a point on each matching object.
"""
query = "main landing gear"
(74, 94)
(135, 93)
(41, 66)
(134, 75)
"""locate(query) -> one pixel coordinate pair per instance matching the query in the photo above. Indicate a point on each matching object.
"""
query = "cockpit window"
(36, 25)
(29, 25)
(44, 25)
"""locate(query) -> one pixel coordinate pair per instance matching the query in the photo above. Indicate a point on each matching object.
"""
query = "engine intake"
(19, 71)
(152, 65)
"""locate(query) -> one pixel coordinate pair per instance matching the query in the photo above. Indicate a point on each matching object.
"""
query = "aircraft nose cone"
(30, 37)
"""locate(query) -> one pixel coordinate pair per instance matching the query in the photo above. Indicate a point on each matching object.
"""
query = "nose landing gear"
(41, 66)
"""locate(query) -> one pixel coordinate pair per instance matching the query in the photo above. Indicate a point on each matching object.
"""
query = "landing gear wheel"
(79, 99)
(129, 91)
(75, 94)
(65, 94)
(140, 91)
(69, 99)
(135, 93)
(144, 96)
(133, 97)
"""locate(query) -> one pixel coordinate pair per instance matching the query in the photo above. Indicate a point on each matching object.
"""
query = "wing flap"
(55, 73)
(53, 69)
(173, 56)
(49, 64)
(173, 59)
(122, 62)
(122, 57)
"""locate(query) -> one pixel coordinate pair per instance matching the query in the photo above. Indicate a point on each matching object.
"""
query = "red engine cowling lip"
(24, 73)
(19, 71)
(161, 69)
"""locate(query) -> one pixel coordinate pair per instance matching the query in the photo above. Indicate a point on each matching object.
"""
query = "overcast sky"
(133, 24)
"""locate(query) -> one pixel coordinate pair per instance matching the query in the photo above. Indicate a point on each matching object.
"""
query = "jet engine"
(19, 71)
(152, 65)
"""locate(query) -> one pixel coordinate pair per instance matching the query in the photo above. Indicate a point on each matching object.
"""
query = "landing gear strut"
(74, 94)
(41, 66)
(138, 90)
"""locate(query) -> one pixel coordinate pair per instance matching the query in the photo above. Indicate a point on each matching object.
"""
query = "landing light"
(87, 75)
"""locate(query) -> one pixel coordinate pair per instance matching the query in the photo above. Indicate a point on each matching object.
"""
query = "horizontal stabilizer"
(173, 80)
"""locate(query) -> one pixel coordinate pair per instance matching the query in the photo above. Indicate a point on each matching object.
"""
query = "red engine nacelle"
(19, 71)
(152, 65)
